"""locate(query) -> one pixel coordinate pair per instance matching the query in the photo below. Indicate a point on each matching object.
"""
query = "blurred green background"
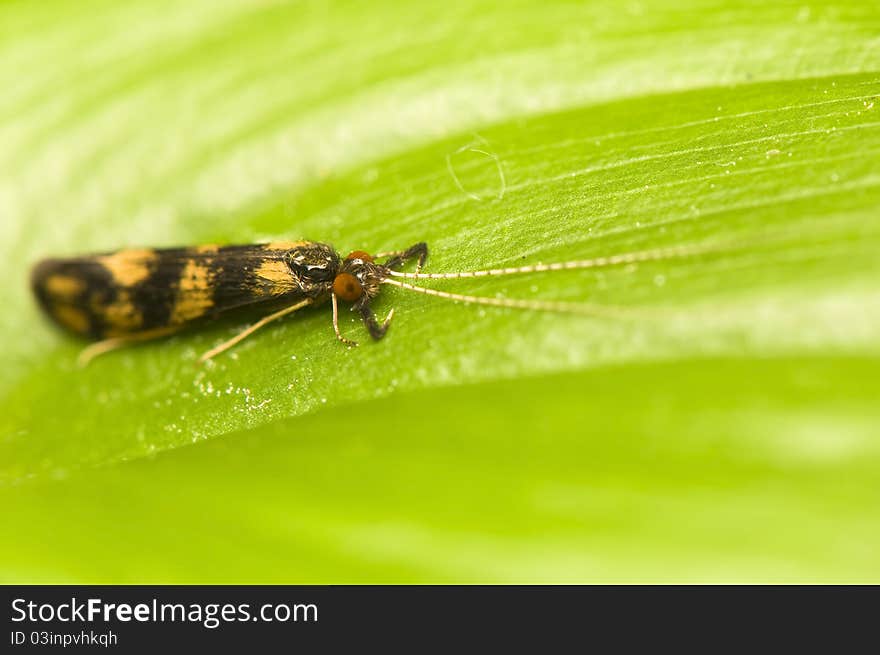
(725, 428)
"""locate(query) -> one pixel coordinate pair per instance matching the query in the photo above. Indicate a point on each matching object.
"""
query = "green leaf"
(716, 421)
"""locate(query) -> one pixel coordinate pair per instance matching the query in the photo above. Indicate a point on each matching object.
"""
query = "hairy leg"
(419, 250)
(377, 330)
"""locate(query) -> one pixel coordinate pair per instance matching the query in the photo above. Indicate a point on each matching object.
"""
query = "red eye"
(359, 254)
(347, 287)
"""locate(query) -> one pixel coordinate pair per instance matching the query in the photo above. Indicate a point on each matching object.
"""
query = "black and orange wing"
(144, 291)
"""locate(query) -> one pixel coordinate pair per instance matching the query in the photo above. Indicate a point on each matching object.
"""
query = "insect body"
(135, 295)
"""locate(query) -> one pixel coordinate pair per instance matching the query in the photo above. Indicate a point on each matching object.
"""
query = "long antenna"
(539, 305)
(598, 262)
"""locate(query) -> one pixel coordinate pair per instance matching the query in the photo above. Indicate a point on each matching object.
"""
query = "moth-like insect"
(135, 295)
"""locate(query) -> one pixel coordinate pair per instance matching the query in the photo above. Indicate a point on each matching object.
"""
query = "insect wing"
(135, 291)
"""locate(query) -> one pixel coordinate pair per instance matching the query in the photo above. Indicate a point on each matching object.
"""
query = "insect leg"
(419, 250)
(100, 347)
(347, 342)
(226, 345)
(377, 331)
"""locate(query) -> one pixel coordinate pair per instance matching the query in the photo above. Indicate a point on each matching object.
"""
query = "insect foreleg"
(377, 331)
(334, 303)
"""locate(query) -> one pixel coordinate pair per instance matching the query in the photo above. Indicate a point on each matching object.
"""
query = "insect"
(134, 295)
